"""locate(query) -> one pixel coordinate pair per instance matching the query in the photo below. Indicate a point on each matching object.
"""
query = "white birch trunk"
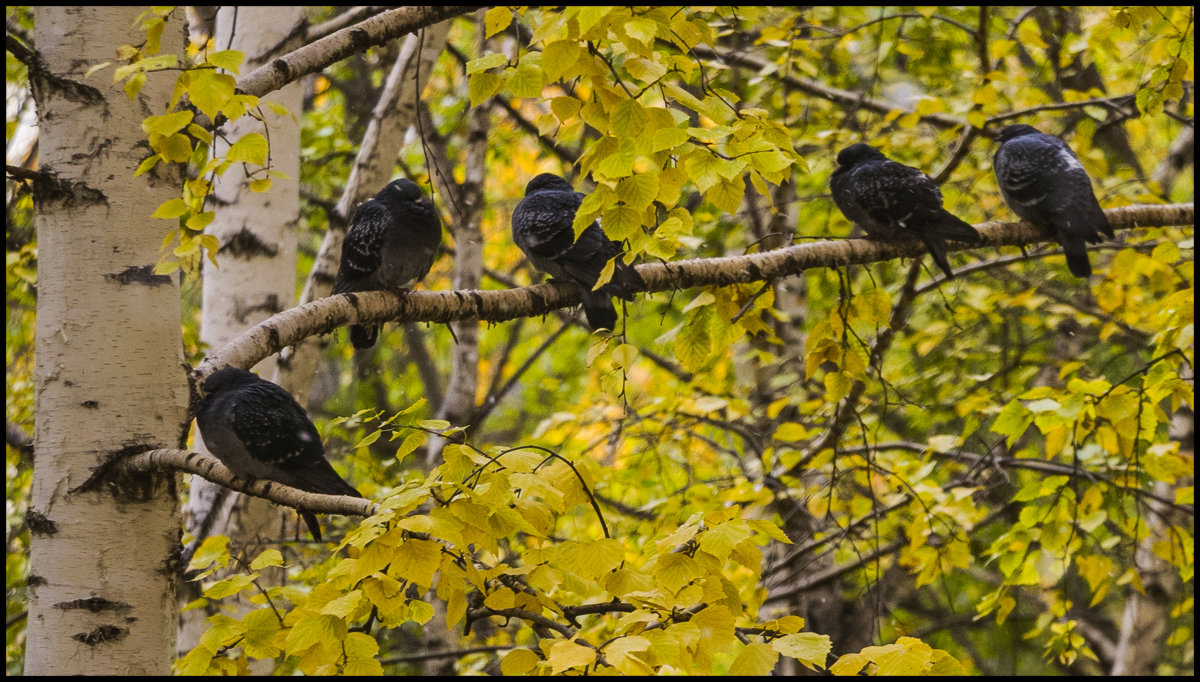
(109, 373)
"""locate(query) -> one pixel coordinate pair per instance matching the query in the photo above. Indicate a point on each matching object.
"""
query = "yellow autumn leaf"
(755, 659)
(567, 655)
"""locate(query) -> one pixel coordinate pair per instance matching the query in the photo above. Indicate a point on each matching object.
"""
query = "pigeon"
(391, 244)
(890, 200)
(541, 227)
(259, 431)
(1043, 182)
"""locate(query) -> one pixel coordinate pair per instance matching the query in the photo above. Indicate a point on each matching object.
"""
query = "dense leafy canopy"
(858, 469)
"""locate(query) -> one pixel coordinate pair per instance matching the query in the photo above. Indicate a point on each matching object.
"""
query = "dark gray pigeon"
(391, 244)
(1043, 182)
(891, 201)
(259, 431)
(541, 226)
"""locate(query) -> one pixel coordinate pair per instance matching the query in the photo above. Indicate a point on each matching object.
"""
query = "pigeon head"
(228, 377)
(400, 190)
(547, 181)
(858, 153)
(1009, 132)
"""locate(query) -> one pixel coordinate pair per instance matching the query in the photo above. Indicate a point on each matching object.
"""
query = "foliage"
(857, 470)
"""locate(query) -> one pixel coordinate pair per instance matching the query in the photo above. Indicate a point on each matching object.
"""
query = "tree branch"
(327, 314)
(211, 469)
(372, 32)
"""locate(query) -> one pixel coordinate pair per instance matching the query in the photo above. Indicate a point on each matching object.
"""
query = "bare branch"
(211, 469)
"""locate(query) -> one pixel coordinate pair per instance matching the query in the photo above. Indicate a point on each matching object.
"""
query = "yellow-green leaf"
(519, 662)
(209, 90)
(809, 648)
(482, 86)
(176, 148)
(755, 659)
(266, 559)
(172, 208)
(230, 60)
(487, 61)
(496, 20)
(251, 148)
(167, 124)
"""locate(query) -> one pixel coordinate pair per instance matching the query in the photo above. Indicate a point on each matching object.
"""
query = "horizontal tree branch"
(339, 45)
(323, 316)
(211, 469)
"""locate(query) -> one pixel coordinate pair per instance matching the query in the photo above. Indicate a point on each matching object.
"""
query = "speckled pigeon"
(890, 201)
(259, 431)
(391, 244)
(1043, 182)
(541, 227)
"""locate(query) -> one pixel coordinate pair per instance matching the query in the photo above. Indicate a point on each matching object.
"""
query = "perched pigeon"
(890, 200)
(259, 431)
(1043, 182)
(541, 226)
(391, 244)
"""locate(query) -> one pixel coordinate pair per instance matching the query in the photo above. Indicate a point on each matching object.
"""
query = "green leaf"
(209, 90)
(559, 58)
(565, 108)
(496, 20)
(638, 190)
(411, 442)
(172, 208)
(231, 585)
(481, 86)
(251, 148)
(727, 194)
(694, 343)
(147, 164)
(230, 60)
(176, 148)
(527, 80)
(266, 559)
(1012, 421)
(628, 119)
(487, 61)
(167, 124)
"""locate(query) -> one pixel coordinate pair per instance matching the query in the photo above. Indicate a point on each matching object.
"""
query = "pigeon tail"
(314, 526)
(363, 336)
(599, 310)
(950, 226)
(1077, 257)
(937, 249)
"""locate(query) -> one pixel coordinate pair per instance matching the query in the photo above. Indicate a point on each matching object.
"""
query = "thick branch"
(372, 32)
(211, 469)
(327, 314)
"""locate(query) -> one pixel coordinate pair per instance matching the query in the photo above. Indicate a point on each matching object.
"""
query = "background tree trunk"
(109, 377)
(255, 278)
